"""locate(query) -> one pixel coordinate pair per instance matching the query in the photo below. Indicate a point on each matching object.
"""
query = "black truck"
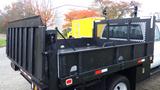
(115, 58)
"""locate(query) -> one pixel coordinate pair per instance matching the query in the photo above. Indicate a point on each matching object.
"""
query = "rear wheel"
(118, 83)
(120, 86)
(14, 67)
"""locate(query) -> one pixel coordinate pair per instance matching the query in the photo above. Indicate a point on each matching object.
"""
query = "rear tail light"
(140, 61)
(98, 72)
(69, 81)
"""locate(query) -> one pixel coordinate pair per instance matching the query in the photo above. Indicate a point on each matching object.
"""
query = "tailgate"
(25, 44)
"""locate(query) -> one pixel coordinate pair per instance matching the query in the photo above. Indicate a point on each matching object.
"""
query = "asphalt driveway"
(11, 80)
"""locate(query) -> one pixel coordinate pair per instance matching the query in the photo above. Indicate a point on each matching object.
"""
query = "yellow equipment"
(83, 27)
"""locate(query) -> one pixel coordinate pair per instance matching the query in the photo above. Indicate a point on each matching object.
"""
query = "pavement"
(152, 83)
(12, 80)
(9, 79)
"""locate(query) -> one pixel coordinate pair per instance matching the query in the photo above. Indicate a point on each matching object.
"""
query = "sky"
(56, 2)
(147, 7)
(6, 2)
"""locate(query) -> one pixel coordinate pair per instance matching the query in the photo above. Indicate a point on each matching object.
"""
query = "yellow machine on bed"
(83, 27)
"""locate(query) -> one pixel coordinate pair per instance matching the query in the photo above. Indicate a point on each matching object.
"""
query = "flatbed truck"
(115, 58)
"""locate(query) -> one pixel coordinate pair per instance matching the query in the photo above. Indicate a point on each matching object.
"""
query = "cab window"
(136, 32)
(116, 32)
(122, 32)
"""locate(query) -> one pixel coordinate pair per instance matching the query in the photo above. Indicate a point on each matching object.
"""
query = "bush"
(2, 42)
(2, 30)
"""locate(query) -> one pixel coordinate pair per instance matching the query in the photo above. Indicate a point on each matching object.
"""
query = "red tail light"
(98, 72)
(69, 82)
(140, 61)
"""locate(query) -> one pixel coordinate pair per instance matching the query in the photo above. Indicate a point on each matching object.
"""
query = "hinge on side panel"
(47, 52)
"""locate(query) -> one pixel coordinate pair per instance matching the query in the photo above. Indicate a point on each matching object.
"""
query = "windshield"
(157, 33)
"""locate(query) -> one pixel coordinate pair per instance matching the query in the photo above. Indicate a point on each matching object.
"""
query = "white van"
(156, 60)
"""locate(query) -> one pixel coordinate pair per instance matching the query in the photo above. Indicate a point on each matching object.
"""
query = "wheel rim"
(120, 86)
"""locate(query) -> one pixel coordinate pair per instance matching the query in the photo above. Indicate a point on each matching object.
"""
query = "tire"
(14, 67)
(118, 83)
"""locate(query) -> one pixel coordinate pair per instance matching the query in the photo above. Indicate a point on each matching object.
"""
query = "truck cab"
(156, 60)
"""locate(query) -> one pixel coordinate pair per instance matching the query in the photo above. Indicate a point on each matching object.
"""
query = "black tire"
(113, 82)
(14, 67)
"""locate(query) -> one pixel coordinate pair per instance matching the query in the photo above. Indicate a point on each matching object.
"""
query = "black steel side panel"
(99, 58)
(25, 44)
(112, 54)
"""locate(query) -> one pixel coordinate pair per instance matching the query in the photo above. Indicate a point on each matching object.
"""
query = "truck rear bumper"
(37, 84)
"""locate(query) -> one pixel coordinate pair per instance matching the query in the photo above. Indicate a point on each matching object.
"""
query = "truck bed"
(50, 62)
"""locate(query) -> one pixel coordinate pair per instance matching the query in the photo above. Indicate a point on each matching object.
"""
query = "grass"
(2, 42)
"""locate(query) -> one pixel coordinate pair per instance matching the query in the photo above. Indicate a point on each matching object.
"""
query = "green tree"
(1, 24)
(17, 10)
(28, 8)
